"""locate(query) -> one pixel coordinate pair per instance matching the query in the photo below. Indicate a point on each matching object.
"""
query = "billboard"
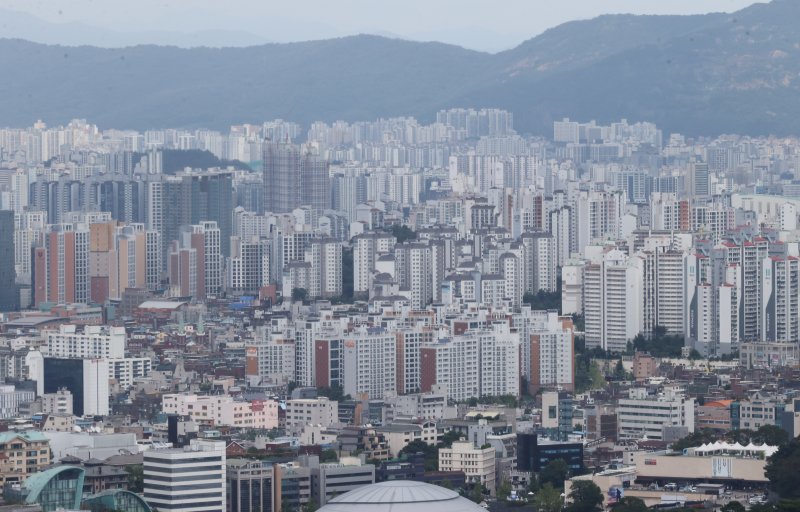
(721, 467)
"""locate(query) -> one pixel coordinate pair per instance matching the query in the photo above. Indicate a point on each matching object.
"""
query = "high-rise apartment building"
(552, 355)
(61, 266)
(325, 258)
(9, 293)
(249, 265)
(370, 362)
(413, 266)
(367, 248)
(613, 300)
(293, 178)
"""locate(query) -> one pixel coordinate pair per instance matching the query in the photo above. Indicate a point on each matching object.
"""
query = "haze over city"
(474, 24)
(399, 256)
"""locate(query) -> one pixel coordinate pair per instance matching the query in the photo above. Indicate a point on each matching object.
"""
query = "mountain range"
(697, 75)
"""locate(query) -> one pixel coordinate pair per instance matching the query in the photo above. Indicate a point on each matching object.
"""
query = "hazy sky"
(480, 24)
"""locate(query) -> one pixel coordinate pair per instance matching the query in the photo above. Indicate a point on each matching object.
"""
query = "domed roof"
(400, 496)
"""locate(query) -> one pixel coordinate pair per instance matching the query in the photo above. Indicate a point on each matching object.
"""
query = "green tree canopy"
(585, 496)
(299, 295)
(403, 233)
(782, 470)
(630, 504)
(733, 506)
(554, 473)
(135, 477)
(504, 490)
(771, 435)
(548, 499)
(430, 453)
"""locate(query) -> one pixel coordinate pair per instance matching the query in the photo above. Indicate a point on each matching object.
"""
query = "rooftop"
(401, 496)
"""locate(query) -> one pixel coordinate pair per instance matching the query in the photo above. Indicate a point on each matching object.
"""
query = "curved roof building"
(401, 496)
(60, 487)
(116, 500)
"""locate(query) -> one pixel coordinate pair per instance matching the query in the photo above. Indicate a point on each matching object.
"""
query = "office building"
(292, 486)
(249, 486)
(86, 379)
(332, 479)
(535, 453)
(643, 416)
(201, 462)
(11, 398)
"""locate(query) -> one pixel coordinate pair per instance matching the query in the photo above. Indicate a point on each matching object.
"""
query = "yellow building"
(21, 455)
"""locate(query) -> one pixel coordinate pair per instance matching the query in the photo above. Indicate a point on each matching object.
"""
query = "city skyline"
(365, 273)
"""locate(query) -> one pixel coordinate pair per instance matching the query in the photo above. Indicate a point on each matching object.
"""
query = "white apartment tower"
(367, 248)
(613, 300)
(325, 257)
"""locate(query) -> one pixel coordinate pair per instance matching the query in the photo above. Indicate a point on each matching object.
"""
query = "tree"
(733, 506)
(430, 453)
(299, 295)
(328, 456)
(585, 496)
(696, 438)
(659, 343)
(554, 473)
(135, 477)
(781, 470)
(548, 499)
(630, 504)
(311, 506)
(448, 438)
(476, 493)
(403, 233)
(335, 393)
(504, 490)
(447, 484)
(771, 435)
(619, 371)
(543, 300)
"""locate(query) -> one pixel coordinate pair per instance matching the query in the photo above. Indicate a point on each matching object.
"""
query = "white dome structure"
(401, 496)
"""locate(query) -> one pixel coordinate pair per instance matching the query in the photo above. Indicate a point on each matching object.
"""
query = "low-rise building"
(642, 415)
(478, 464)
(22, 454)
(757, 411)
(331, 479)
(59, 402)
(399, 435)
(315, 411)
(223, 410)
